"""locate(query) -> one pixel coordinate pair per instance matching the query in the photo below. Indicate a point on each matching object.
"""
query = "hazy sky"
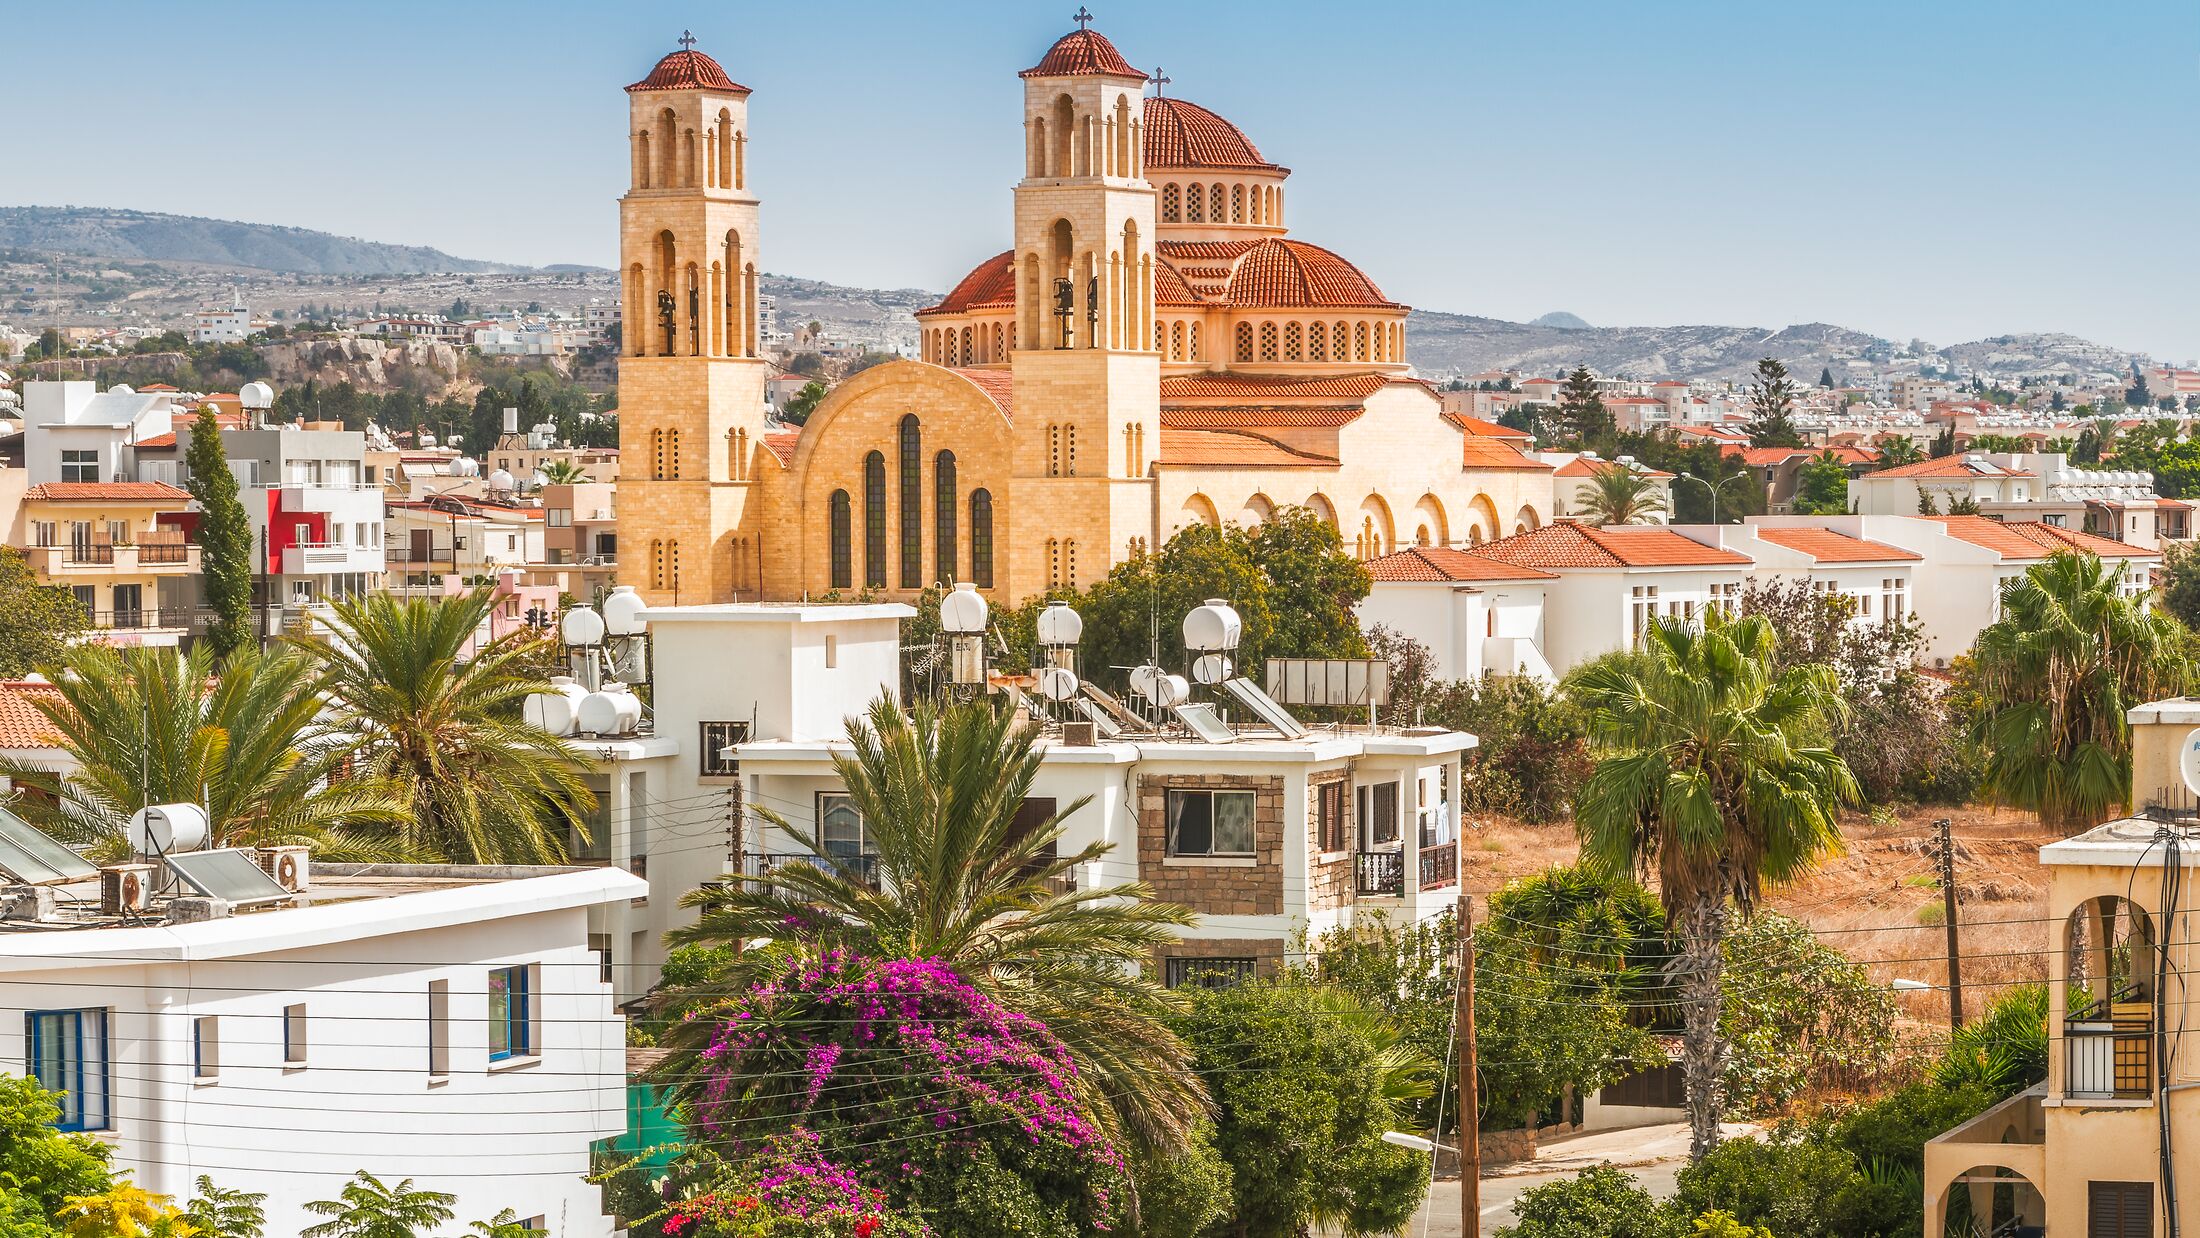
(1928, 168)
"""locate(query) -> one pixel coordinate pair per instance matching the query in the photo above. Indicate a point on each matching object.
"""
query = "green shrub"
(1597, 1203)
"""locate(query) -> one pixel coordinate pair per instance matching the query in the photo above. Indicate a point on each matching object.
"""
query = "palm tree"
(1708, 777)
(226, 1212)
(1617, 494)
(441, 720)
(2069, 655)
(563, 473)
(367, 1209)
(1899, 450)
(244, 741)
(959, 878)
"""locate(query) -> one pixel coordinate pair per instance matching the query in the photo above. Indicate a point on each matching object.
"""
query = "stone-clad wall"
(1266, 952)
(1328, 886)
(1217, 887)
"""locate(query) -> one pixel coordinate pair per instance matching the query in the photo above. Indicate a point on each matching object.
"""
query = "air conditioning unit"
(125, 889)
(291, 867)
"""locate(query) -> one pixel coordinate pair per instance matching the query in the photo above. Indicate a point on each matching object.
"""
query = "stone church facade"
(1153, 350)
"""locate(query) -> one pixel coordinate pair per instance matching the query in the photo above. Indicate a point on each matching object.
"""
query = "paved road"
(1498, 1194)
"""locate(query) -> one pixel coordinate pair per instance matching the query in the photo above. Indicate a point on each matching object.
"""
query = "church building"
(1153, 349)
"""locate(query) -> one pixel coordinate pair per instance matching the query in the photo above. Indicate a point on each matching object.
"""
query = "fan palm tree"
(365, 1208)
(562, 473)
(425, 709)
(1709, 777)
(245, 741)
(2069, 655)
(960, 879)
(1617, 494)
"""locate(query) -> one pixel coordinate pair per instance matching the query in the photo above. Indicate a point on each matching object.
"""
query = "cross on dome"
(1160, 80)
(686, 40)
(1083, 17)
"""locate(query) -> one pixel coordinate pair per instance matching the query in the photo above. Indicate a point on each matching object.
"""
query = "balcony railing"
(1440, 865)
(2110, 1060)
(148, 549)
(863, 868)
(1380, 873)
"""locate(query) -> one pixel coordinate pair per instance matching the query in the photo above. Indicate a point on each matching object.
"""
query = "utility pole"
(1948, 908)
(1470, 1103)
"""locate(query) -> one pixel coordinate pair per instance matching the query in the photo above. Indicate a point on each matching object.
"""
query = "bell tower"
(691, 381)
(1084, 314)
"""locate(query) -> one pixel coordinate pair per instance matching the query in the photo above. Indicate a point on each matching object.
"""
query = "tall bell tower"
(691, 380)
(1084, 315)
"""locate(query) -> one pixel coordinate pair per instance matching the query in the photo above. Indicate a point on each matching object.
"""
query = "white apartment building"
(448, 1025)
(73, 432)
(214, 325)
(1476, 615)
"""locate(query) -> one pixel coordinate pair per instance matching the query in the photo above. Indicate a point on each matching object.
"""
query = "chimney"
(511, 421)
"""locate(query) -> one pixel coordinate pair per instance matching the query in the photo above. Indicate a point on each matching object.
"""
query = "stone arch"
(1377, 528)
(1319, 504)
(1172, 203)
(1482, 522)
(1199, 509)
(1435, 527)
(668, 148)
(1259, 510)
(642, 169)
(1527, 520)
(1036, 164)
(1245, 341)
(725, 149)
(1065, 125)
(1984, 1198)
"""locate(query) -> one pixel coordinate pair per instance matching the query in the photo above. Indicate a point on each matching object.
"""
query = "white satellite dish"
(1057, 683)
(2188, 761)
(164, 829)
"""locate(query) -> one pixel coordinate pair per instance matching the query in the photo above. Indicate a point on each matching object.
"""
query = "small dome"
(1180, 134)
(1277, 273)
(688, 69)
(991, 285)
(1082, 52)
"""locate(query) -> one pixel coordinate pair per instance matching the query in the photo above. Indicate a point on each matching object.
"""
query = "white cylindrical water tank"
(164, 829)
(1057, 683)
(1059, 625)
(1211, 668)
(613, 711)
(1212, 628)
(1171, 690)
(963, 610)
(582, 626)
(557, 710)
(622, 612)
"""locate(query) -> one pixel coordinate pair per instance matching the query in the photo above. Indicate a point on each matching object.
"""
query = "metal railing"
(1440, 865)
(2109, 1061)
(863, 868)
(1380, 873)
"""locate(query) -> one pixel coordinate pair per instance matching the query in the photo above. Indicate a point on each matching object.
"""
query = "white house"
(1947, 480)
(1476, 615)
(445, 1024)
(1875, 576)
(73, 432)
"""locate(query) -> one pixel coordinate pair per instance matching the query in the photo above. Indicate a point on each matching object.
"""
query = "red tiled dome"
(1186, 135)
(1082, 52)
(688, 69)
(991, 285)
(1277, 273)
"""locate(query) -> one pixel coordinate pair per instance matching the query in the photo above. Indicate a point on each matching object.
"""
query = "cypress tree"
(225, 538)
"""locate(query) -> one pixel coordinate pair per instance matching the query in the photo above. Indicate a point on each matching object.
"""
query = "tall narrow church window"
(1291, 341)
(672, 554)
(672, 455)
(1195, 206)
(1344, 343)
(840, 520)
(943, 516)
(1069, 451)
(1317, 342)
(1054, 563)
(912, 504)
(874, 521)
(981, 539)
(1170, 208)
(1359, 341)
(1191, 344)
(1054, 451)
(1245, 341)
(1237, 204)
(1215, 205)
(1069, 562)
(1268, 341)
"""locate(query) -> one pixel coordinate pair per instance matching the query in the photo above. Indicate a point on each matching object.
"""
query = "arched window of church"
(1176, 340)
(1170, 203)
(1237, 204)
(1069, 562)
(965, 356)
(1359, 341)
(1344, 342)
(1291, 342)
(1191, 344)
(1195, 206)
(668, 149)
(1054, 563)
(874, 521)
(1268, 341)
(912, 504)
(1215, 210)
(1054, 451)
(672, 567)
(1069, 450)
(656, 563)
(641, 160)
(672, 455)
(981, 539)
(1317, 342)
(725, 149)
(1245, 341)
(840, 534)
(943, 516)
(1000, 349)
(740, 161)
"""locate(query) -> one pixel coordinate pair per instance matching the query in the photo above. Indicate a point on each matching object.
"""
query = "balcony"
(862, 868)
(1440, 866)
(1379, 874)
(313, 558)
(2113, 1058)
(155, 554)
(1983, 1177)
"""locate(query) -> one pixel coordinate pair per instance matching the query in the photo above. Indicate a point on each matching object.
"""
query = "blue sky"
(1943, 169)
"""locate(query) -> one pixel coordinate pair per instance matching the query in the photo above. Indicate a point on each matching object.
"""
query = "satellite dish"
(1057, 683)
(163, 829)
(1211, 668)
(2188, 761)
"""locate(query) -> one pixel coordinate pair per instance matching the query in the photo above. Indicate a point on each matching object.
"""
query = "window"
(87, 596)
(874, 521)
(42, 533)
(2119, 1210)
(79, 465)
(439, 1027)
(912, 504)
(67, 1054)
(843, 569)
(1332, 829)
(205, 1047)
(1379, 812)
(1210, 822)
(294, 1035)
(981, 539)
(943, 516)
(1898, 600)
(558, 517)
(840, 828)
(1035, 811)
(599, 944)
(717, 736)
(832, 653)
(1642, 607)
(1206, 973)
(511, 1016)
(637, 824)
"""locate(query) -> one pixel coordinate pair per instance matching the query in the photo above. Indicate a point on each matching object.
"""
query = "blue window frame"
(67, 1052)
(511, 1024)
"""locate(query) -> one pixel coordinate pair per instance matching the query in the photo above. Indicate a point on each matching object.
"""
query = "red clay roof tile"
(1182, 134)
(1831, 546)
(688, 69)
(1567, 544)
(1082, 52)
(1444, 563)
(108, 492)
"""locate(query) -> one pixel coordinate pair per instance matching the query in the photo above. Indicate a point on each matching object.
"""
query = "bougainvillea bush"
(899, 1079)
(789, 1192)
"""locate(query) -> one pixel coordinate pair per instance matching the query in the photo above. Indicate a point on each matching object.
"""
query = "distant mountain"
(1561, 320)
(147, 236)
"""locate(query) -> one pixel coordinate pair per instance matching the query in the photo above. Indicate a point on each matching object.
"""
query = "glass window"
(840, 828)
(981, 538)
(1379, 812)
(67, 1052)
(80, 465)
(1206, 973)
(511, 1030)
(637, 824)
(912, 504)
(294, 1035)
(843, 563)
(943, 516)
(205, 1047)
(439, 1027)
(874, 521)
(1210, 822)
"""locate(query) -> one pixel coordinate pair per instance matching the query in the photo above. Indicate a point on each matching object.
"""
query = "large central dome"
(1181, 134)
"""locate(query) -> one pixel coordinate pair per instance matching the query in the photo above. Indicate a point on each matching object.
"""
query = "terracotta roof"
(998, 385)
(1280, 273)
(1949, 466)
(1233, 449)
(1567, 544)
(1487, 429)
(21, 723)
(108, 492)
(2173, 504)
(1481, 452)
(1442, 563)
(1759, 457)
(990, 285)
(1170, 287)
(1240, 386)
(781, 444)
(1245, 416)
(1828, 546)
(2033, 539)
(1583, 466)
(1182, 134)
(1082, 52)
(156, 387)
(1716, 432)
(688, 69)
